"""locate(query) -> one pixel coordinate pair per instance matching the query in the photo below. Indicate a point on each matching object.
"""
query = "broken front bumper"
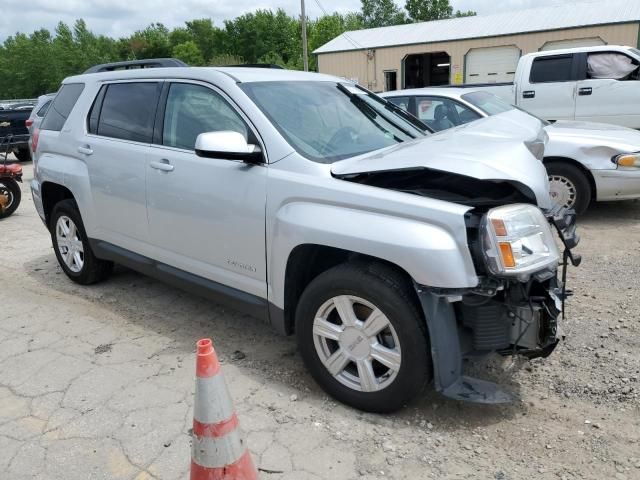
(500, 315)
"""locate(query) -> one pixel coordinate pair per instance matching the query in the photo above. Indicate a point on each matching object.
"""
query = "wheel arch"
(570, 161)
(307, 261)
(53, 193)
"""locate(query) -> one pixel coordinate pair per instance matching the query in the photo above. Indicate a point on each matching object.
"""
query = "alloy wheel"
(357, 343)
(69, 244)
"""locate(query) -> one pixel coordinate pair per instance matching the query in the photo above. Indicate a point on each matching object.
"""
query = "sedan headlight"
(627, 160)
(517, 241)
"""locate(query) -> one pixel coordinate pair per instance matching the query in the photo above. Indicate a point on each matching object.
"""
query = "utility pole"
(304, 37)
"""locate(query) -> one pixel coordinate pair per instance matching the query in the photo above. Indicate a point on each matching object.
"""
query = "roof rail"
(130, 64)
(256, 65)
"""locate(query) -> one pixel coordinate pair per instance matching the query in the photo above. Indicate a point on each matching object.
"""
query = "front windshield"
(327, 121)
(492, 104)
(488, 102)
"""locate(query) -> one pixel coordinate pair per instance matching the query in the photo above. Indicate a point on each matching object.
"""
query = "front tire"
(72, 247)
(363, 338)
(10, 196)
(569, 186)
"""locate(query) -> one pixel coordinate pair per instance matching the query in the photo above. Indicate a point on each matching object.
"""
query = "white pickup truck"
(596, 84)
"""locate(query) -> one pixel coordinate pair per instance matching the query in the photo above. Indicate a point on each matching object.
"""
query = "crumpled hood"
(492, 148)
(623, 138)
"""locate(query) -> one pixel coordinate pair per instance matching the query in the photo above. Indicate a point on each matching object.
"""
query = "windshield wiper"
(357, 98)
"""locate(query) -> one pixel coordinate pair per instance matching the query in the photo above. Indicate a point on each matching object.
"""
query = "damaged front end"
(514, 310)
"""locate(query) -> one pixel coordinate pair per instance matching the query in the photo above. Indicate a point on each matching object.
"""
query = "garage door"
(575, 42)
(491, 64)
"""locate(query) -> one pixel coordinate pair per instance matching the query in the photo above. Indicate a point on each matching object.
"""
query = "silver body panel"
(590, 144)
(237, 224)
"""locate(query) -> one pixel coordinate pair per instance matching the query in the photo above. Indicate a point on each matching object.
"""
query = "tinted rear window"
(128, 111)
(62, 106)
(43, 109)
(552, 69)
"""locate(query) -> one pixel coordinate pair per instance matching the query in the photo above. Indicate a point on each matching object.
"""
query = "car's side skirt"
(238, 300)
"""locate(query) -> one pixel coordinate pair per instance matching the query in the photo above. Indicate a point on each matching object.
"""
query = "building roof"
(556, 17)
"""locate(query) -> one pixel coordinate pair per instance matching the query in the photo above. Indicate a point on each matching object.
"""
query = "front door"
(206, 215)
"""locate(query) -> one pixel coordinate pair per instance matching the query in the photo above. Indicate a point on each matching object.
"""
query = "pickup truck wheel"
(72, 248)
(568, 186)
(363, 338)
(23, 154)
(10, 196)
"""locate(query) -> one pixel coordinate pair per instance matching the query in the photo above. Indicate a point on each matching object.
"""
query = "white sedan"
(585, 161)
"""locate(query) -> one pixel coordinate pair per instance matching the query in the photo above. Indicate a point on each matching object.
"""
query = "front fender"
(428, 253)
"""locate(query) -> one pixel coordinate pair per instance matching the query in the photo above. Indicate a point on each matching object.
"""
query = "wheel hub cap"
(357, 343)
(69, 244)
(562, 191)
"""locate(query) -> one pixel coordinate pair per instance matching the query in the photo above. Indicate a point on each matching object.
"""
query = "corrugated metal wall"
(368, 68)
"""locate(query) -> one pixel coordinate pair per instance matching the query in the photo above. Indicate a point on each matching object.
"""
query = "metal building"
(480, 49)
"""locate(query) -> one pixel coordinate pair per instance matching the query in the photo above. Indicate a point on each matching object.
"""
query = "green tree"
(254, 35)
(427, 10)
(468, 13)
(152, 42)
(381, 13)
(188, 52)
(209, 38)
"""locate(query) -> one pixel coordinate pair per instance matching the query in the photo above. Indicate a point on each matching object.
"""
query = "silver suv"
(307, 201)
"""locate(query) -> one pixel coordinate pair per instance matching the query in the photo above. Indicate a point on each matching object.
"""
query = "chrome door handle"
(529, 94)
(585, 91)
(164, 165)
(86, 149)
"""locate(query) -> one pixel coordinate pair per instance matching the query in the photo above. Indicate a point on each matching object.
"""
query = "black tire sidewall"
(415, 368)
(579, 180)
(14, 188)
(23, 154)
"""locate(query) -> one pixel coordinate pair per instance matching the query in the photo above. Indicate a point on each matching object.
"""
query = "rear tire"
(375, 366)
(10, 191)
(23, 154)
(72, 248)
(569, 186)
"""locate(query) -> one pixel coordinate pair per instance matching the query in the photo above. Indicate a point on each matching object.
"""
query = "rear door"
(609, 100)
(549, 90)
(116, 147)
(206, 215)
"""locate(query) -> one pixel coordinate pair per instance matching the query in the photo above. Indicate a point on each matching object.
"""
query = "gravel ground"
(97, 382)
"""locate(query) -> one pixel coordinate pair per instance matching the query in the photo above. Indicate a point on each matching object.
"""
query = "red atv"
(10, 175)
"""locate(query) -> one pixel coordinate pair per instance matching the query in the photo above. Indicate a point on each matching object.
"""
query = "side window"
(127, 112)
(443, 113)
(194, 109)
(43, 109)
(464, 114)
(611, 65)
(402, 102)
(61, 107)
(555, 68)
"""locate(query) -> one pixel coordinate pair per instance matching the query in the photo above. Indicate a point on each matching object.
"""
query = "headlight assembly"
(517, 241)
(627, 160)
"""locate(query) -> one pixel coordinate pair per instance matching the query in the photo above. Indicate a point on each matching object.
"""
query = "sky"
(118, 18)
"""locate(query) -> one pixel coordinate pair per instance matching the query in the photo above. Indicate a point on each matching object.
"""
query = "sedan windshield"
(492, 104)
(327, 121)
(488, 102)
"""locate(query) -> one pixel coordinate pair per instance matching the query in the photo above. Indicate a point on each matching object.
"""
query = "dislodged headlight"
(627, 160)
(517, 241)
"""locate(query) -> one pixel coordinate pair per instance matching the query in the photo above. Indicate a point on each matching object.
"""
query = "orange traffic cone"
(219, 451)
